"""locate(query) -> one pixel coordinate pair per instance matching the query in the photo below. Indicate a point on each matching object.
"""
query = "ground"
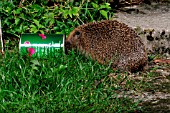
(155, 17)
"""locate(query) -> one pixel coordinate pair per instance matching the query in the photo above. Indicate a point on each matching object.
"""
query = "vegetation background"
(65, 83)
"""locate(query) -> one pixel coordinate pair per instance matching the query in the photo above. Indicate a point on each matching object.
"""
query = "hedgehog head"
(74, 40)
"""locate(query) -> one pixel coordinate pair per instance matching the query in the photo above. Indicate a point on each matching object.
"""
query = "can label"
(40, 45)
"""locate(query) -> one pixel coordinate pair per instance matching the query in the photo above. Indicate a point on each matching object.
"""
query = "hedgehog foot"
(132, 63)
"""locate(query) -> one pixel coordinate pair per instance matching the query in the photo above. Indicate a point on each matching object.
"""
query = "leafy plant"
(32, 17)
(102, 8)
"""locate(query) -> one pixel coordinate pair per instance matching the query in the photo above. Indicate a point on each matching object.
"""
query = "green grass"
(66, 83)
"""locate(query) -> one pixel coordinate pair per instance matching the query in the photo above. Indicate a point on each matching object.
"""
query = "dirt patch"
(151, 19)
(155, 98)
(152, 23)
(155, 16)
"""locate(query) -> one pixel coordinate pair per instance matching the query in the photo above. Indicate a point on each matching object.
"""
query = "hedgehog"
(109, 42)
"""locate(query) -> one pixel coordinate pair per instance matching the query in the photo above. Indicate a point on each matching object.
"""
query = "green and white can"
(40, 45)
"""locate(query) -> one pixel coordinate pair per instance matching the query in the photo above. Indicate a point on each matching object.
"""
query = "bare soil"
(155, 16)
(155, 99)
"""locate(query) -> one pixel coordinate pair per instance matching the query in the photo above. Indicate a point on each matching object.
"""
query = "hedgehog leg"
(133, 63)
(123, 65)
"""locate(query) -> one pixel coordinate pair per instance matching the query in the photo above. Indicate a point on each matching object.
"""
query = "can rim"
(64, 37)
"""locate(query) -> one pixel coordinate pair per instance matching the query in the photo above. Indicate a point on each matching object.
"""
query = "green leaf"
(104, 13)
(58, 32)
(56, 28)
(52, 22)
(33, 29)
(95, 5)
(32, 26)
(70, 13)
(106, 5)
(75, 10)
(36, 22)
(34, 67)
(25, 28)
(22, 27)
(17, 21)
(17, 11)
(22, 16)
(51, 15)
(41, 31)
(62, 67)
(35, 62)
(41, 26)
(65, 13)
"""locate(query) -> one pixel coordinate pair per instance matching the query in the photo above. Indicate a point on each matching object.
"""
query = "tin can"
(41, 45)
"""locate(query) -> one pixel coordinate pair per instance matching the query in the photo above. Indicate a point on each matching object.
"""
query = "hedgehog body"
(109, 41)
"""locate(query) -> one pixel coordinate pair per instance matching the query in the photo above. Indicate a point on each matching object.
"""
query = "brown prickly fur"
(109, 41)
